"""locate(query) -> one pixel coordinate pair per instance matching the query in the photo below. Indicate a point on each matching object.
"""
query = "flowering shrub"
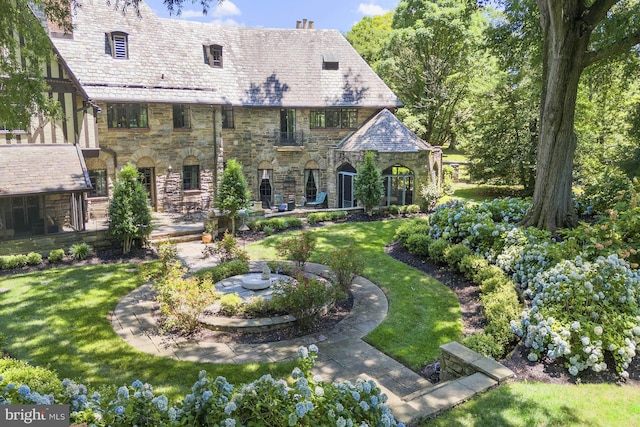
(430, 194)
(266, 401)
(226, 249)
(298, 248)
(183, 299)
(346, 264)
(581, 309)
(303, 297)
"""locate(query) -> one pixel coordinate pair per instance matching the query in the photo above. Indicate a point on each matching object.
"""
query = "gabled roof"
(384, 133)
(261, 67)
(36, 169)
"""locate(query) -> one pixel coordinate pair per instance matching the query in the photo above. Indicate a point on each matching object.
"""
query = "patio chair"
(319, 202)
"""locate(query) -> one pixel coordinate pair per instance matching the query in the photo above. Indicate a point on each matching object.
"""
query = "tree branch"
(598, 11)
(620, 46)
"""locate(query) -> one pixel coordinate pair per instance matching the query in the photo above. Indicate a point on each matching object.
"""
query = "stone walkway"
(343, 355)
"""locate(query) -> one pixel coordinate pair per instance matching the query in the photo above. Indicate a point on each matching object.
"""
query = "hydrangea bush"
(266, 401)
(581, 309)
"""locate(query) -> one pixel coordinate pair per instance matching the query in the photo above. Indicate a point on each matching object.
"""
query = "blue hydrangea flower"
(24, 390)
(301, 409)
(119, 410)
(303, 352)
(230, 407)
(364, 405)
(229, 422)
(313, 348)
(136, 384)
(123, 392)
(207, 395)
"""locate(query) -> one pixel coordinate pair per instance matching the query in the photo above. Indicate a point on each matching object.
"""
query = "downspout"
(215, 155)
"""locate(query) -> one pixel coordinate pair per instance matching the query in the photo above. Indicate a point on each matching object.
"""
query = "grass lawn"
(536, 404)
(423, 313)
(477, 193)
(59, 319)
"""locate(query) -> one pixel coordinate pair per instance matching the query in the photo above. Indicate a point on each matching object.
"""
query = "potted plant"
(207, 235)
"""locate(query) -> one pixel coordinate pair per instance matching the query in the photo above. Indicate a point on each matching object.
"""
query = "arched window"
(398, 186)
(265, 188)
(311, 180)
(191, 173)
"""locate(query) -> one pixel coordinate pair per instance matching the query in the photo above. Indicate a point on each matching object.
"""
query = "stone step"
(176, 237)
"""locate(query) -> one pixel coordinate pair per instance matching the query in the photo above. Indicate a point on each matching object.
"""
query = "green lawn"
(536, 404)
(423, 313)
(59, 319)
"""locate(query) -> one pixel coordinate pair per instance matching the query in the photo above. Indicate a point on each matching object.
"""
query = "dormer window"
(213, 55)
(116, 44)
(330, 62)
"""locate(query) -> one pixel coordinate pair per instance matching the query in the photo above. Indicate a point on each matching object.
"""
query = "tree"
(432, 56)
(129, 212)
(576, 34)
(369, 37)
(368, 187)
(233, 193)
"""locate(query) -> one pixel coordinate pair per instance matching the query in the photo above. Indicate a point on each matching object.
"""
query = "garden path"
(343, 354)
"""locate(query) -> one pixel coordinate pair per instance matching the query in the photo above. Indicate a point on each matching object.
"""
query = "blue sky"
(327, 14)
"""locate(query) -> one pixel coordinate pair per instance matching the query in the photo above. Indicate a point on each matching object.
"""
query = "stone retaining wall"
(458, 361)
(46, 243)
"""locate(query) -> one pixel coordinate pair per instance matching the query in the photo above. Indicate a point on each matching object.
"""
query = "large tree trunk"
(565, 42)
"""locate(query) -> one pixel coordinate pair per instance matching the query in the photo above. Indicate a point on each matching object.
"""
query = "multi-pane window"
(346, 118)
(216, 55)
(98, 180)
(181, 116)
(191, 177)
(127, 116)
(227, 118)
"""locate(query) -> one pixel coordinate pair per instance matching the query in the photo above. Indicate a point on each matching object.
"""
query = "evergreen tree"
(233, 193)
(130, 215)
(368, 186)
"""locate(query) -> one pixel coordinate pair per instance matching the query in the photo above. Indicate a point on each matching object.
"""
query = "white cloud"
(186, 14)
(226, 22)
(226, 8)
(371, 9)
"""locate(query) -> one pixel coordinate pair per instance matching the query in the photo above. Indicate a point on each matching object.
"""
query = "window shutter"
(206, 57)
(107, 44)
(120, 47)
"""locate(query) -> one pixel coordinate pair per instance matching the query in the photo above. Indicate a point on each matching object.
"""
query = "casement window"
(227, 118)
(98, 180)
(334, 118)
(213, 55)
(116, 44)
(181, 116)
(127, 116)
(191, 173)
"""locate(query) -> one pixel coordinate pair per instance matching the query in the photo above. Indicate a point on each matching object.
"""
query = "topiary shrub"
(454, 254)
(56, 255)
(414, 226)
(9, 262)
(436, 250)
(36, 378)
(418, 244)
(471, 265)
(34, 258)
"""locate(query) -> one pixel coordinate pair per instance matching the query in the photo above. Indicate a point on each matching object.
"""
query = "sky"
(327, 14)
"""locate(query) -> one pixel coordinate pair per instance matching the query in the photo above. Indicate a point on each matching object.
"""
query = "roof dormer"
(213, 55)
(116, 44)
(330, 61)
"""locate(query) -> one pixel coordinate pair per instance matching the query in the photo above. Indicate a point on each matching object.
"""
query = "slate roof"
(261, 67)
(384, 133)
(34, 168)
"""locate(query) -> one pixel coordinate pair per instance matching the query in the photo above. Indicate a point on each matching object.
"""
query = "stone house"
(296, 107)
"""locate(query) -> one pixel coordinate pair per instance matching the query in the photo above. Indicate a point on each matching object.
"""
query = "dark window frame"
(333, 118)
(216, 55)
(227, 118)
(190, 177)
(127, 116)
(99, 182)
(117, 45)
(181, 116)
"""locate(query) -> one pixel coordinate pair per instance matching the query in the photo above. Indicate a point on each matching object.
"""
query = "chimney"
(304, 23)
(298, 25)
(311, 25)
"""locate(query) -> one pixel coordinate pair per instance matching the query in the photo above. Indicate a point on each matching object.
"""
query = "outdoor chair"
(319, 202)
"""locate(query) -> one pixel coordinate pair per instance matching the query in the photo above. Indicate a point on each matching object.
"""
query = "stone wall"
(45, 244)
(458, 361)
